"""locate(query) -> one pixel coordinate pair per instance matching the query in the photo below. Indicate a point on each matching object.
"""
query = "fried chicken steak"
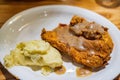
(87, 43)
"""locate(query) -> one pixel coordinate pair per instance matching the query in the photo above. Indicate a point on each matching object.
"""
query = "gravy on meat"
(80, 35)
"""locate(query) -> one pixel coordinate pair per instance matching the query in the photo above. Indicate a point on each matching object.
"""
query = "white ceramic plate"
(27, 25)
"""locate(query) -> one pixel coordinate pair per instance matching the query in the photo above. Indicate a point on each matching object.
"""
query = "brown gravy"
(60, 70)
(79, 42)
(82, 72)
(66, 37)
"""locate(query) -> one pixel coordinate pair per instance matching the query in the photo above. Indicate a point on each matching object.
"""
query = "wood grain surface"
(8, 8)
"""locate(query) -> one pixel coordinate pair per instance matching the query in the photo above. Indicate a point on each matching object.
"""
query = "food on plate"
(82, 72)
(60, 70)
(87, 43)
(34, 53)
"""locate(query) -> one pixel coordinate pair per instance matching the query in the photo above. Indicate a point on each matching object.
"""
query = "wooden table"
(10, 7)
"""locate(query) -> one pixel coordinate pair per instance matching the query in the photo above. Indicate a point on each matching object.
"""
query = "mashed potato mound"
(34, 53)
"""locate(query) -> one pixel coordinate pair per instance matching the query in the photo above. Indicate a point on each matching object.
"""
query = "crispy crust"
(102, 46)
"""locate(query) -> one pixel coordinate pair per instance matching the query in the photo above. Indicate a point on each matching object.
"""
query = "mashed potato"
(34, 53)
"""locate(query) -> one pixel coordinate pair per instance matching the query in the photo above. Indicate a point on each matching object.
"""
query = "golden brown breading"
(102, 47)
